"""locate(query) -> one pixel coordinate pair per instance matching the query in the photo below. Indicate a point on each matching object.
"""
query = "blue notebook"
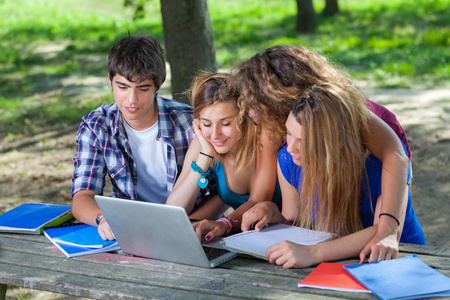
(32, 217)
(85, 236)
(402, 278)
(77, 238)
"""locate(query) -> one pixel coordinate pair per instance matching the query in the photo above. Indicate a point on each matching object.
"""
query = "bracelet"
(227, 231)
(276, 210)
(230, 223)
(386, 214)
(99, 218)
(212, 157)
(202, 182)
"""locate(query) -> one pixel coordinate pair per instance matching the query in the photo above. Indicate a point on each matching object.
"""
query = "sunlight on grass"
(390, 43)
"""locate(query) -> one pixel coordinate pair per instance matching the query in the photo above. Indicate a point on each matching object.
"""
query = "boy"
(140, 140)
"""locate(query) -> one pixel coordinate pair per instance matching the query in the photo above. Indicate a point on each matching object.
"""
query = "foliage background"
(48, 48)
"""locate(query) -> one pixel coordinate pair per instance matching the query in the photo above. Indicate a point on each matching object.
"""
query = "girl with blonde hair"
(329, 181)
(273, 80)
(225, 150)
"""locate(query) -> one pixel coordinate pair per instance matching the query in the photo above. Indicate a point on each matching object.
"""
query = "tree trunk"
(307, 20)
(331, 7)
(189, 42)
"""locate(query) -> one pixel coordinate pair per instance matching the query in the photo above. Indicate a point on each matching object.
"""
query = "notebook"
(32, 217)
(69, 239)
(256, 243)
(158, 231)
(332, 276)
(402, 278)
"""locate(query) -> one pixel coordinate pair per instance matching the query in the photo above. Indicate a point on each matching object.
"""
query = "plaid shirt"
(103, 148)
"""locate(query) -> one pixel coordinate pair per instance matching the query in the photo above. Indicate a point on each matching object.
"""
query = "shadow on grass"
(408, 41)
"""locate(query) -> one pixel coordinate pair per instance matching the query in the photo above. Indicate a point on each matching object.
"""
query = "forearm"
(186, 188)
(345, 247)
(211, 208)
(382, 142)
(394, 191)
(84, 207)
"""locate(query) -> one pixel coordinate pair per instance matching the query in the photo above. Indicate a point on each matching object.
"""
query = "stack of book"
(73, 239)
(78, 239)
(402, 278)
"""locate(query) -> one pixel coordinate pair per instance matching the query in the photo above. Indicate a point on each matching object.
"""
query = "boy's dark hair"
(138, 58)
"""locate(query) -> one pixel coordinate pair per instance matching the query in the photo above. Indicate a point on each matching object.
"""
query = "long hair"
(333, 156)
(272, 81)
(211, 88)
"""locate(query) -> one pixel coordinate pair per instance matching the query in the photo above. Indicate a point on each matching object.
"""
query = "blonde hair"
(333, 159)
(272, 81)
(211, 88)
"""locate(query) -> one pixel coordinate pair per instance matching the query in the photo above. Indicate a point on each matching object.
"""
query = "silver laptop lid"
(152, 230)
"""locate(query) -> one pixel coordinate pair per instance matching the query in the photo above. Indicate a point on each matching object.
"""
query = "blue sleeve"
(291, 172)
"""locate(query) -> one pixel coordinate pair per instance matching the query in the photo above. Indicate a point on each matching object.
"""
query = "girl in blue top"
(225, 146)
(329, 182)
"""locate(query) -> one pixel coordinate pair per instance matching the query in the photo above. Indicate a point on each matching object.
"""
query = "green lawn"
(391, 43)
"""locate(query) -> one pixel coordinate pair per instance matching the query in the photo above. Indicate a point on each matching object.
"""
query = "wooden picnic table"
(31, 261)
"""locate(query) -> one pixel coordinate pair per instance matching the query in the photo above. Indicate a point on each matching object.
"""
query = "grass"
(44, 43)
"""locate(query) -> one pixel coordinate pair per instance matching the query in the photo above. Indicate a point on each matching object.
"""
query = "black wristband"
(212, 157)
(386, 214)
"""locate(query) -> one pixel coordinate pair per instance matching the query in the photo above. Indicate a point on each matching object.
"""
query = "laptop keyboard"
(212, 253)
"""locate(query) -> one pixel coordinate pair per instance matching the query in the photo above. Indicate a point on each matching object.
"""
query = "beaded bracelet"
(202, 181)
(227, 231)
(230, 223)
(386, 214)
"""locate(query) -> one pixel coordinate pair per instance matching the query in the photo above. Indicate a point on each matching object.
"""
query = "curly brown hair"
(271, 82)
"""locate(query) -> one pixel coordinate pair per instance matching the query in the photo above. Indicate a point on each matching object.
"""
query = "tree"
(189, 42)
(307, 20)
(331, 7)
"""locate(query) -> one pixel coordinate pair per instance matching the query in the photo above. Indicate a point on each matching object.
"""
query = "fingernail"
(360, 260)
(207, 237)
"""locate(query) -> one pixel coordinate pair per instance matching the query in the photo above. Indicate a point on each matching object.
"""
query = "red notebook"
(332, 276)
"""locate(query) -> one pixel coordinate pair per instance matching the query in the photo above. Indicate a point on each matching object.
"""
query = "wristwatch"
(99, 218)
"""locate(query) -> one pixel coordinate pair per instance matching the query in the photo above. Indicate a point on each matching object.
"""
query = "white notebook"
(256, 243)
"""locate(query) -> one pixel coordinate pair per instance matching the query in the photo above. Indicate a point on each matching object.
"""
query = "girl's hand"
(207, 148)
(211, 228)
(380, 247)
(258, 216)
(291, 255)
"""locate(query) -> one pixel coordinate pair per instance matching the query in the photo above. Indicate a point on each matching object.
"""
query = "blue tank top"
(229, 197)
(370, 191)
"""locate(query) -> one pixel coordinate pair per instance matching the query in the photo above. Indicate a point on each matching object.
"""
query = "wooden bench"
(33, 262)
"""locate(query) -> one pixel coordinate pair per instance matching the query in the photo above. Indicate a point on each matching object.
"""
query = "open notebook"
(256, 243)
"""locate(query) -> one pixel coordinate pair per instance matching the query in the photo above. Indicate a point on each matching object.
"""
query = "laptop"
(159, 231)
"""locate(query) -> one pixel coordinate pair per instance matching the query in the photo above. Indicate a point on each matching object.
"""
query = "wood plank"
(98, 288)
(235, 285)
(89, 287)
(421, 249)
(251, 265)
(240, 278)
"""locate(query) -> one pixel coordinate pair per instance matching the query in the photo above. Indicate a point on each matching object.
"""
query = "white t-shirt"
(150, 157)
